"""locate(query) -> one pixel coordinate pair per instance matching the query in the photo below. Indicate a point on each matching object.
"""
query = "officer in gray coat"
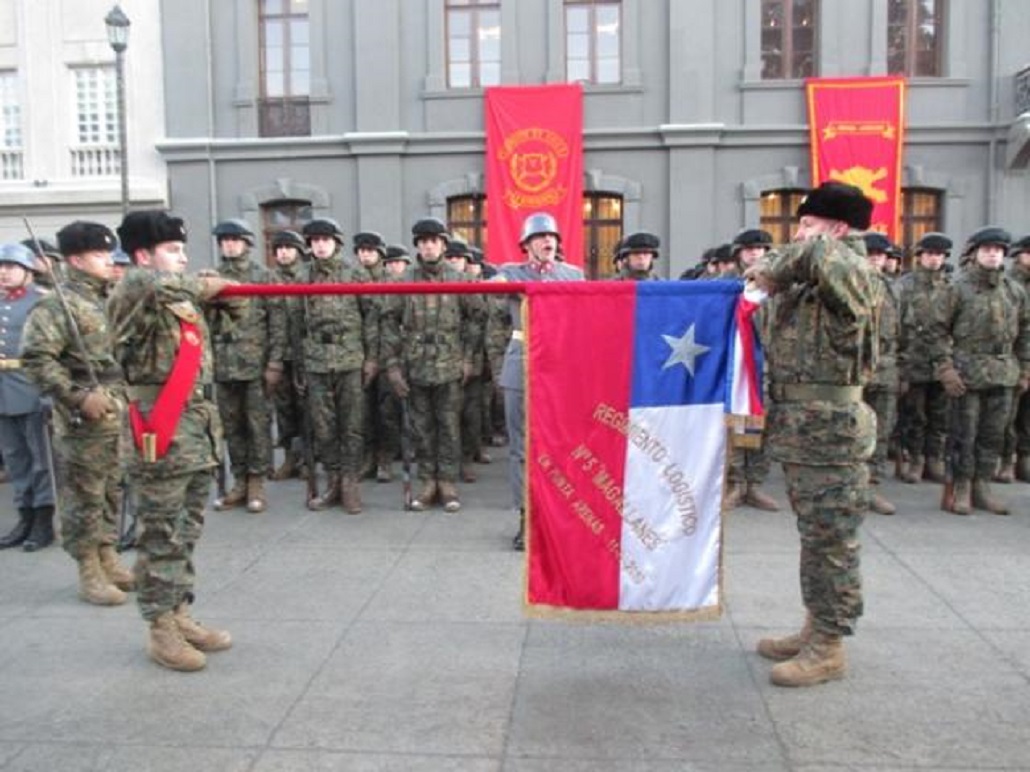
(540, 241)
(22, 438)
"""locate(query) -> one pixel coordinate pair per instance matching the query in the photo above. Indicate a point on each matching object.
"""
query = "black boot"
(519, 542)
(20, 532)
(42, 534)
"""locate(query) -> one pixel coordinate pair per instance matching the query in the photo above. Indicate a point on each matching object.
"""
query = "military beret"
(838, 201)
(148, 228)
(640, 242)
(397, 252)
(1023, 245)
(933, 242)
(876, 242)
(989, 235)
(235, 228)
(48, 249)
(752, 237)
(81, 236)
(288, 238)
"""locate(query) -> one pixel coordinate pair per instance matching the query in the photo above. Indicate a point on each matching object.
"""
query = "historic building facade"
(371, 111)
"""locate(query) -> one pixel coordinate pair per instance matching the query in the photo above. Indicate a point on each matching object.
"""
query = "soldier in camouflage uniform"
(722, 265)
(881, 392)
(980, 347)
(1016, 451)
(395, 264)
(22, 423)
(924, 405)
(288, 248)
(248, 352)
(496, 338)
(539, 241)
(749, 467)
(76, 367)
(821, 352)
(429, 344)
(637, 254)
(369, 250)
(340, 360)
(474, 269)
(155, 317)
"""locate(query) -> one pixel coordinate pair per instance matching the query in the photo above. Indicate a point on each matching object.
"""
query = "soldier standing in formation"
(821, 353)
(370, 249)
(881, 393)
(924, 405)
(429, 343)
(340, 350)
(638, 253)
(539, 241)
(66, 350)
(1016, 451)
(22, 426)
(980, 346)
(248, 366)
(162, 343)
(288, 248)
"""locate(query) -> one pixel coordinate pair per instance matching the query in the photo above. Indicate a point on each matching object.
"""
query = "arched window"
(285, 214)
(777, 208)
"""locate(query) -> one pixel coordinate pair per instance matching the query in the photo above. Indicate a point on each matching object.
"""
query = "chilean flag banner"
(629, 388)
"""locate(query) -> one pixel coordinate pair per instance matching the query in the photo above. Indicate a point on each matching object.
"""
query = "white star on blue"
(685, 350)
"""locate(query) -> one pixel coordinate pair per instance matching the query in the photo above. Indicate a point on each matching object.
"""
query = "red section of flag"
(857, 129)
(534, 163)
(579, 368)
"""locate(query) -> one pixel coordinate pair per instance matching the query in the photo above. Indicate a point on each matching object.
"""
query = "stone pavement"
(396, 641)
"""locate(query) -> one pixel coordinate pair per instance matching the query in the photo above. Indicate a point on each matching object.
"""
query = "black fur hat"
(148, 228)
(838, 201)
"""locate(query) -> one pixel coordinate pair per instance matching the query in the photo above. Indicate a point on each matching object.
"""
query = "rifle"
(46, 409)
(127, 514)
(406, 452)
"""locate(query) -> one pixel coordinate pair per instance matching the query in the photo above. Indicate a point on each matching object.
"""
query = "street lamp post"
(118, 36)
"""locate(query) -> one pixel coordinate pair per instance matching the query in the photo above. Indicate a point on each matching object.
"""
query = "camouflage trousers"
(435, 412)
(829, 502)
(884, 404)
(748, 465)
(89, 492)
(171, 520)
(472, 418)
(288, 404)
(390, 421)
(336, 401)
(923, 418)
(247, 426)
(1017, 432)
(977, 432)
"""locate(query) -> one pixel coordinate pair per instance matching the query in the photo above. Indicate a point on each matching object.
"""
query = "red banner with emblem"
(857, 129)
(534, 163)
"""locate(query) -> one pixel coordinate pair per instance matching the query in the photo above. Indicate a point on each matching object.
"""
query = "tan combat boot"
(94, 586)
(757, 498)
(821, 659)
(880, 505)
(912, 472)
(782, 649)
(256, 501)
(236, 497)
(1006, 472)
(449, 496)
(118, 575)
(350, 495)
(168, 648)
(984, 499)
(206, 639)
(331, 496)
(425, 496)
(733, 498)
(287, 469)
(935, 470)
(963, 493)
(1023, 468)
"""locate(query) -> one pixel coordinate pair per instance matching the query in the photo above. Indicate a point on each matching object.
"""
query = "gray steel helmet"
(235, 228)
(539, 224)
(18, 255)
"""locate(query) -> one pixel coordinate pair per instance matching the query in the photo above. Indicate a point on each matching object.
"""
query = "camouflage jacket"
(53, 359)
(823, 333)
(286, 310)
(498, 331)
(248, 337)
(919, 299)
(628, 275)
(983, 329)
(1020, 274)
(886, 374)
(144, 311)
(432, 337)
(338, 332)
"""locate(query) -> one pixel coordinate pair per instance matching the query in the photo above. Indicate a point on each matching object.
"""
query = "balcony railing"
(96, 161)
(10, 164)
(1023, 90)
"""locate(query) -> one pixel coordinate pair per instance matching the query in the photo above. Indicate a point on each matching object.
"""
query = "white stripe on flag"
(671, 530)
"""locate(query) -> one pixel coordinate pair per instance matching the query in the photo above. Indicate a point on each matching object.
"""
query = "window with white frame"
(593, 41)
(10, 127)
(95, 152)
(473, 43)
